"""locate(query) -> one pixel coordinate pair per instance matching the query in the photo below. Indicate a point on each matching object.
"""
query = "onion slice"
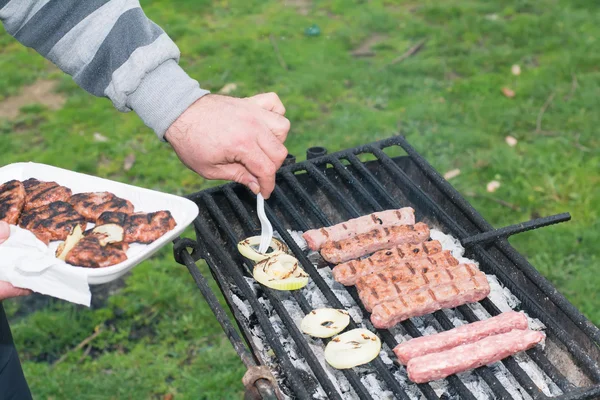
(246, 248)
(350, 349)
(281, 272)
(325, 322)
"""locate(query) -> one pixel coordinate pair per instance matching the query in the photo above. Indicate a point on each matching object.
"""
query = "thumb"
(4, 231)
(238, 173)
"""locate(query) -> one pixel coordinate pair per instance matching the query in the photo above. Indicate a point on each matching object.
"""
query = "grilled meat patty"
(12, 200)
(92, 204)
(140, 227)
(51, 222)
(40, 193)
(90, 254)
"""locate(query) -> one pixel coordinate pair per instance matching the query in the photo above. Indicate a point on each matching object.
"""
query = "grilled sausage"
(349, 272)
(374, 240)
(465, 334)
(404, 271)
(372, 296)
(429, 299)
(316, 238)
(486, 351)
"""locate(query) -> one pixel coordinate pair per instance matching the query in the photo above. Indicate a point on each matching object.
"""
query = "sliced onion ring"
(281, 272)
(325, 322)
(350, 349)
(245, 247)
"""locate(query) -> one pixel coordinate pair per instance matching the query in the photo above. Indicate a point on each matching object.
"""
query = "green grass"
(159, 336)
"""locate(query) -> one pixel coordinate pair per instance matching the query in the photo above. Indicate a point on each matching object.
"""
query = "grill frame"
(479, 240)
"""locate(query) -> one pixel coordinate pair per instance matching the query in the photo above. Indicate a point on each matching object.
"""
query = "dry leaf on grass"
(493, 186)
(511, 141)
(128, 163)
(98, 137)
(516, 70)
(453, 173)
(228, 88)
(508, 92)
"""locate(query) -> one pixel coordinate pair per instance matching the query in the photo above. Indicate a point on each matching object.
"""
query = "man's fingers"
(238, 173)
(278, 125)
(269, 101)
(8, 291)
(4, 231)
(260, 166)
(273, 148)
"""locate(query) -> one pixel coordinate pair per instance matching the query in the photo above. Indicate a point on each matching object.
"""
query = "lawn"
(157, 336)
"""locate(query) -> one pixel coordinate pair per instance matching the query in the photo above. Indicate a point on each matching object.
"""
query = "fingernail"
(254, 187)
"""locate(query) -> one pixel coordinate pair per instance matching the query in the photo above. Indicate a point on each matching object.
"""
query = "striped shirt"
(111, 49)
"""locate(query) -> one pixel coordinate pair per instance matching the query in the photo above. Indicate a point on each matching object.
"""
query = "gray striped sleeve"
(111, 49)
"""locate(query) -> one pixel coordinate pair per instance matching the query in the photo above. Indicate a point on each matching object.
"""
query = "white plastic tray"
(144, 200)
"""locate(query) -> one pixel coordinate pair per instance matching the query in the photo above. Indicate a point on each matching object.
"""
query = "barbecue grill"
(263, 324)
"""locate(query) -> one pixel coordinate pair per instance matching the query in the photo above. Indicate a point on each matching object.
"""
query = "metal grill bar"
(243, 215)
(452, 194)
(495, 234)
(360, 167)
(355, 184)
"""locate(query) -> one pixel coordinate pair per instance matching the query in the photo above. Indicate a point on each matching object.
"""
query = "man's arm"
(112, 50)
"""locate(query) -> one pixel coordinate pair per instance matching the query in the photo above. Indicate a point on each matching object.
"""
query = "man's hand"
(237, 139)
(6, 289)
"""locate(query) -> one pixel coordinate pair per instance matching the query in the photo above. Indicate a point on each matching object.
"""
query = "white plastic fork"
(266, 233)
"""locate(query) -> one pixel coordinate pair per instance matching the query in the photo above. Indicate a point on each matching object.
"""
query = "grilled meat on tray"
(140, 227)
(51, 222)
(89, 253)
(12, 200)
(40, 193)
(92, 204)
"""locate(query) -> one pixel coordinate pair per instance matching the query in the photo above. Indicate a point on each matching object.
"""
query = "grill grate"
(336, 187)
